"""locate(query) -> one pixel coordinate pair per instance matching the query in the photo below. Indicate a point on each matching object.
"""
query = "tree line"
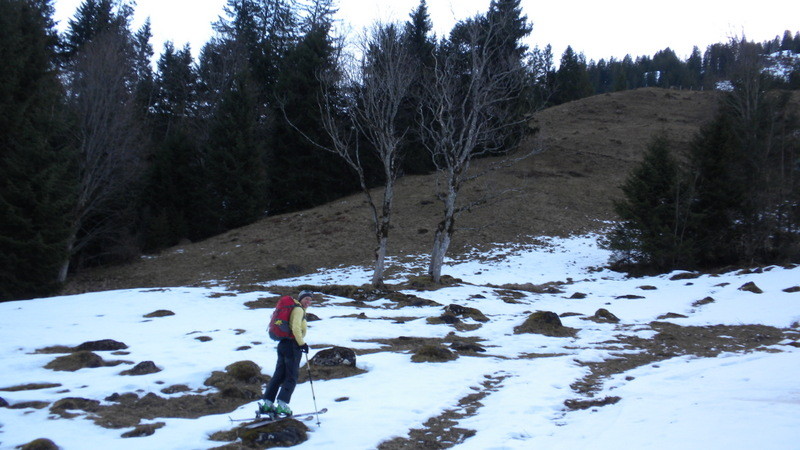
(106, 156)
(576, 78)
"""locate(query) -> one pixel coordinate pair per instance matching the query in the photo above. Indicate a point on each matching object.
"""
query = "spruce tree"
(236, 158)
(417, 36)
(295, 158)
(93, 18)
(36, 190)
(572, 79)
(654, 212)
(694, 66)
(718, 192)
(177, 200)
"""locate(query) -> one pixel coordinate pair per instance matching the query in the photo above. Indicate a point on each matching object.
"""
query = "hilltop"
(587, 149)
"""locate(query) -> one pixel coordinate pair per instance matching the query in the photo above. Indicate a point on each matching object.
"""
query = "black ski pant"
(287, 370)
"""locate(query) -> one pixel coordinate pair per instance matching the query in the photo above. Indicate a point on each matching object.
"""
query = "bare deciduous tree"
(375, 90)
(109, 144)
(465, 116)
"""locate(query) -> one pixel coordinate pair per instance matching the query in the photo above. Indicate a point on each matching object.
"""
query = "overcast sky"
(599, 29)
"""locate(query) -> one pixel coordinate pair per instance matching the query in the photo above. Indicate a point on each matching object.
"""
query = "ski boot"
(282, 409)
(266, 409)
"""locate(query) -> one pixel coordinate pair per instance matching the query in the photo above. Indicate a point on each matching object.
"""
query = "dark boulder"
(336, 356)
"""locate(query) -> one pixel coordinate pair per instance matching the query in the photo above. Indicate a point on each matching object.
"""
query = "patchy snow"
(733, 401)
(782, 64)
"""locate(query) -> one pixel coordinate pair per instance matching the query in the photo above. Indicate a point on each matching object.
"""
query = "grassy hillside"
(588, 147)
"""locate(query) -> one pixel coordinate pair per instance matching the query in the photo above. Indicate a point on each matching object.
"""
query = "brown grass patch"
(441, 431)
(80, 360)
(546, 323)
(30, 387)
(328, 372)
(433, 353)
(673, 341)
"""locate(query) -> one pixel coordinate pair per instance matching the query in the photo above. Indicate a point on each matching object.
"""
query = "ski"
(261, 422)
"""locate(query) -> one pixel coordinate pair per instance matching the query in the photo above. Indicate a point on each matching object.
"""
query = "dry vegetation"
(588, 148)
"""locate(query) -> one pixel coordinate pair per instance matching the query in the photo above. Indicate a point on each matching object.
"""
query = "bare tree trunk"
(382, 234)
(64, 270)
(382, 82)
(464, 117)
(108, 138)
(441, 240)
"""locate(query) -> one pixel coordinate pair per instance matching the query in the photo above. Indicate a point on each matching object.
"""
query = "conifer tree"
(694, 66)
(236, 158)
(177, 200)
(717, 193)
(295, 160)
(542, 74)
(572, 80)
(654, 212)
(93, 18)
(36, 186)
(421, 44)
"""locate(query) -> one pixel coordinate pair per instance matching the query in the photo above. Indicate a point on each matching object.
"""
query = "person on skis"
(288, 326)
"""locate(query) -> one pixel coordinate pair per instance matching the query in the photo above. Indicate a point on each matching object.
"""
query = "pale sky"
(598, 28)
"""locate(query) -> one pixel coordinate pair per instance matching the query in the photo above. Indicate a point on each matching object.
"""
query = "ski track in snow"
(734, 401)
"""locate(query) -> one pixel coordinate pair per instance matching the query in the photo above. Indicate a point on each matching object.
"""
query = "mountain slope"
(588, 147)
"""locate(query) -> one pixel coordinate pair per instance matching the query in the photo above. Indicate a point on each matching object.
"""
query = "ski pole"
(311, 381)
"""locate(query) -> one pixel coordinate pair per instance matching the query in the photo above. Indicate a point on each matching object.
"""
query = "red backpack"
(279, 323)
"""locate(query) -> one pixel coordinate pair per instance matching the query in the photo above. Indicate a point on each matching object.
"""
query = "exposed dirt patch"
(433, 353)
(546, 323)
(30, 387)
(705, 301)
(263, 303)
(80, 360)
(467, 346)
(674, 340)
(603, 315)
(553, 287)
(574, 405)
(40, 444)
(143, 368)
(240, 383)
(159, 313)
(442, 431)
(29, 405)
(90, 346)
(328, 372)
(143, 430)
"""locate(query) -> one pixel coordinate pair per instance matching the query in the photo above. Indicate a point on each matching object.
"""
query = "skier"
(291, 345)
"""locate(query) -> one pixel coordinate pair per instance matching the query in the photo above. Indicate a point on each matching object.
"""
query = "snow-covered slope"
(737, 400)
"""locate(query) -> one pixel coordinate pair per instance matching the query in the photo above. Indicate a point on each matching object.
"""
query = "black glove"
(304, 348)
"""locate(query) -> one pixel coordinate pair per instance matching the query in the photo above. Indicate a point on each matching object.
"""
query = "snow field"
(734, 401)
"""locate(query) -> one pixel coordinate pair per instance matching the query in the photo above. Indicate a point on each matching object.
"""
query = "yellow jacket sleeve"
(298, 324)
